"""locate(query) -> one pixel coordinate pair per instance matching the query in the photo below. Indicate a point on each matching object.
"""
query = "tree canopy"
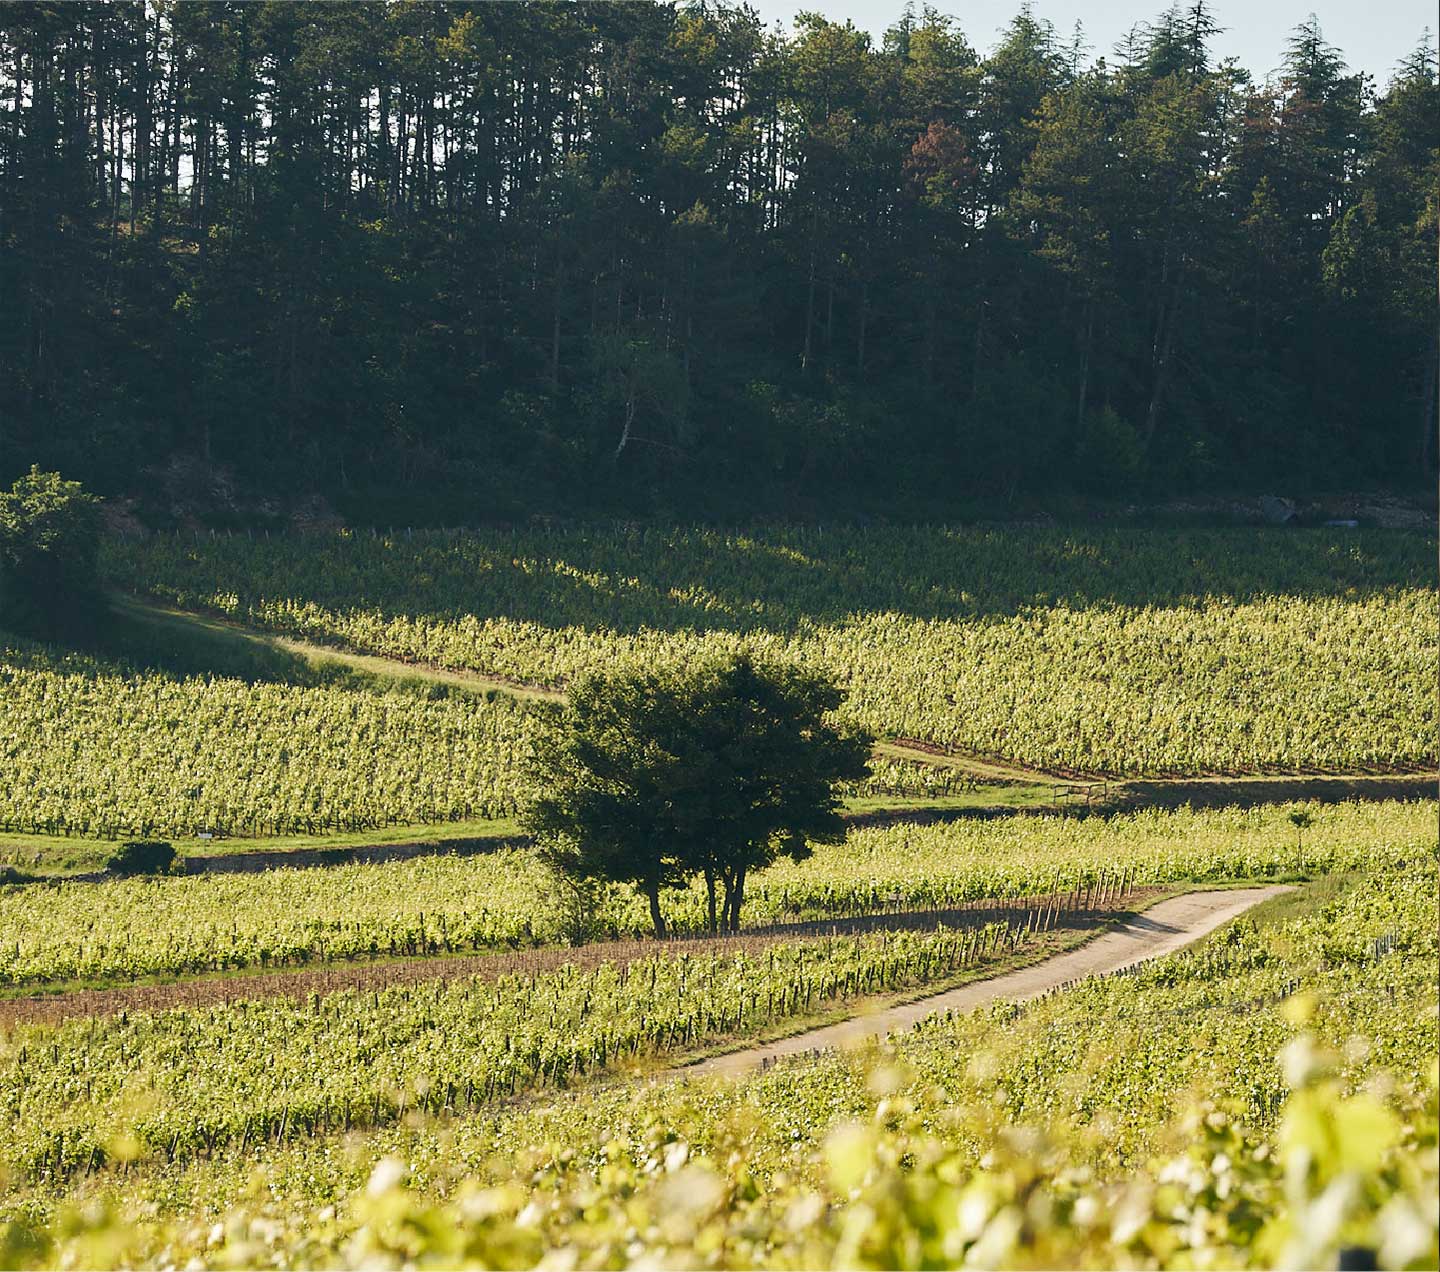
(606, 256)
(658, 775)
(49, 540)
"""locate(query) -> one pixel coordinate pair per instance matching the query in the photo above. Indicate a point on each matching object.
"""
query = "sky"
(1374, 35)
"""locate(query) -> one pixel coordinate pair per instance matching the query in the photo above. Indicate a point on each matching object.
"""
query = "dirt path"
(58, 1003)
(1117, 792)
(316, 652)
(1162, 929)
(999, 772)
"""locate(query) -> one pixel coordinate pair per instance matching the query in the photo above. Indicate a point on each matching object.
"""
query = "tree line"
(658, 256)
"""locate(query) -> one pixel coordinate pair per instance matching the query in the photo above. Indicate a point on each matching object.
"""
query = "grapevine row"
(1025, 1136)
(1183, 653)
(271, 1068)
(127, 929)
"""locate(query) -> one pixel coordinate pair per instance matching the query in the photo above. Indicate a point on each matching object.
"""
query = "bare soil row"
(300, 983)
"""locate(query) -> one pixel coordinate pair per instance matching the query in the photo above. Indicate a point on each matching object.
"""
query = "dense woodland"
(657, 257)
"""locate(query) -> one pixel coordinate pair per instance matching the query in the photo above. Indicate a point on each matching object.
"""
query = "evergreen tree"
(443, 252)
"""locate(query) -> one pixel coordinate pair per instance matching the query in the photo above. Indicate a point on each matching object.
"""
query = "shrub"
(49, 538)
(143, 856)
(1109, 454)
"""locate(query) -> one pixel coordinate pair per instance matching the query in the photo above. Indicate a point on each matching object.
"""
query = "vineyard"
(274, 1068)
(1167, 653)
(406, 1064)
(87, 749)
(128, 929)
(1018, 1134)
(92, 749)
(1028, 646)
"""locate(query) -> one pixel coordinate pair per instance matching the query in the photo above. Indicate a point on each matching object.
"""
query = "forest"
(659, 259)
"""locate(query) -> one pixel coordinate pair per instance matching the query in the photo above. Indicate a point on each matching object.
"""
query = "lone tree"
(714, 769)
(49, 540)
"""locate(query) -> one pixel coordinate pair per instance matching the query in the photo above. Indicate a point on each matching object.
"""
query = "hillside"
(454, 263)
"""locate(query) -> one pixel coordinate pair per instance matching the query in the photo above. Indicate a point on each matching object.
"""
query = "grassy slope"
(61, 856)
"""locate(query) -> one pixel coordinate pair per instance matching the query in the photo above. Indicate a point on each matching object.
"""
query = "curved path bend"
(1162, 929)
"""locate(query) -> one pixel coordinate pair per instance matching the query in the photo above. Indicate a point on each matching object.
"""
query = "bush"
(49, 538)
(143, 856)
(1109, 456)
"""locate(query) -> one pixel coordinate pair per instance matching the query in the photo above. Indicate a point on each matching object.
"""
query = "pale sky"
(1374, 35)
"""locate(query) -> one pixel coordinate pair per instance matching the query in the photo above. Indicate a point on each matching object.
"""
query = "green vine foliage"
(127, 929)
(1135, 653)
(1265, 1099)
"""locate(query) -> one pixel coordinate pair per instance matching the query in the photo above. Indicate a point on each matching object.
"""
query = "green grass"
(149, 634)
(181, 642)
(1168, 654)
(52, 855)
(1035, 795)
(984, 771)
(66, 855)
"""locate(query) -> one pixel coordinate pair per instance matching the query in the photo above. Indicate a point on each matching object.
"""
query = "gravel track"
(1162, 929)
(55, 1005)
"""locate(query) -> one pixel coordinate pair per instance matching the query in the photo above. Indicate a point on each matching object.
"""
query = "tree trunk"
(1085, 345)
(652, 891)
(830, 311)
(554, 373)
(978, 358)
(864, 320)
(810, 294)
(1429, 417)
(734, 899)
(383, 162)
(710, 901)
(140, 143)
(1164, 344)
(931, 322)
(629, 420)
